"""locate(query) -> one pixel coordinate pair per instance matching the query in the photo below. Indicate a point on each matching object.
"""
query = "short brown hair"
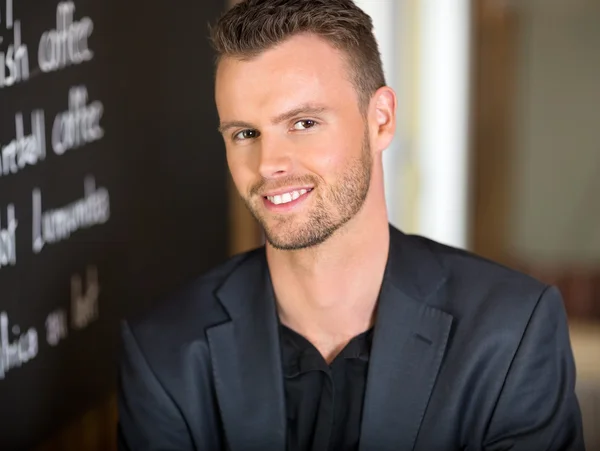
(254, 26)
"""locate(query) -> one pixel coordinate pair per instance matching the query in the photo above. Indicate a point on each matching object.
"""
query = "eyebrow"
(233, 124)
(306, 109)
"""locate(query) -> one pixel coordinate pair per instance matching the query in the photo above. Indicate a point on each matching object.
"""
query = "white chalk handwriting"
(79, 125)
(18, 350)
(67, 44)
(24, 150)
(8, 239)
(14, 62)
(84, 302)
(60, 223)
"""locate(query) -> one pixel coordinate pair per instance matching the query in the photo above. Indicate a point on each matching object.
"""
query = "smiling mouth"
(285, 198)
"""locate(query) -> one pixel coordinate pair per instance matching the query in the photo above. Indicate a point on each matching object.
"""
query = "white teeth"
(287, 197)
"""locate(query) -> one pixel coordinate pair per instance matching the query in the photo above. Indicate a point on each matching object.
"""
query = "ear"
(383, 118)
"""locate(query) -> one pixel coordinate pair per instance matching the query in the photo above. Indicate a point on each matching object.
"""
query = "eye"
(246, 134)
(304, 124)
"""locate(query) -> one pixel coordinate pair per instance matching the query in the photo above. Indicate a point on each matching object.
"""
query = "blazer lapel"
(408, 346)
(246, 357)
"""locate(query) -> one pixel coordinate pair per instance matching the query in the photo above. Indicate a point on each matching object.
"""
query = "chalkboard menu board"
(112, 190)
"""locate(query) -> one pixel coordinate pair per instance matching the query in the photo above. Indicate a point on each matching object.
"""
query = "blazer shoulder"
(488, 299)
(186, 312)
(478, 289)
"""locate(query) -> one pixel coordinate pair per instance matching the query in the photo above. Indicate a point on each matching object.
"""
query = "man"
(341, 333)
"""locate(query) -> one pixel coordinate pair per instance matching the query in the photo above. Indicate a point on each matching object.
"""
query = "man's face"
(297, 143)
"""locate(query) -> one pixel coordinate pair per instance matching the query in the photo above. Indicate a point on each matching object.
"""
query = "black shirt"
(324, 402)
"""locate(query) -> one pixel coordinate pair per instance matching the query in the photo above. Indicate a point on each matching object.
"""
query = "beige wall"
(556, 168)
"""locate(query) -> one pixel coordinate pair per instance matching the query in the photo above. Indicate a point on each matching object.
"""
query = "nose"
(275, 157)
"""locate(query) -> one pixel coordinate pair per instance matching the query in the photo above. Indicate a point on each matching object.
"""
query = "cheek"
(238, 170)
(243, 169)
(328, 157)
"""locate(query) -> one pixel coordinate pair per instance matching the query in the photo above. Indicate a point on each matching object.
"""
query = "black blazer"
(467, 355)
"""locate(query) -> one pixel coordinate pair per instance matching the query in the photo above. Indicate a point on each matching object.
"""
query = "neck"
(328, 293)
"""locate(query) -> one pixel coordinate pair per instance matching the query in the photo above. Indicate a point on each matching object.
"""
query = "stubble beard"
(334, 206)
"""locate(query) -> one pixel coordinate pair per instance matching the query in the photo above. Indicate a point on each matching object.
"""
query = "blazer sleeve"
(149, 420)
(537, 408)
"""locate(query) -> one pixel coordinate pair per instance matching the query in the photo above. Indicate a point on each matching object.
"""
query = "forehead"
(303, 69)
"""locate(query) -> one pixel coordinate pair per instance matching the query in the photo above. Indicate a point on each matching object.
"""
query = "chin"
(289, 245)
(298, 239)
(283, 240)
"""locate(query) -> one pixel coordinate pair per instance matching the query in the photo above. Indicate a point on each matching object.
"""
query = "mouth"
(287, 200)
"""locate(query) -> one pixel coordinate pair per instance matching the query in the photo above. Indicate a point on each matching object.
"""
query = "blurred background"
(114, 186)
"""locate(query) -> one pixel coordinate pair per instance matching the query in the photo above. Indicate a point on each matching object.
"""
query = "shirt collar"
(300, 356)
